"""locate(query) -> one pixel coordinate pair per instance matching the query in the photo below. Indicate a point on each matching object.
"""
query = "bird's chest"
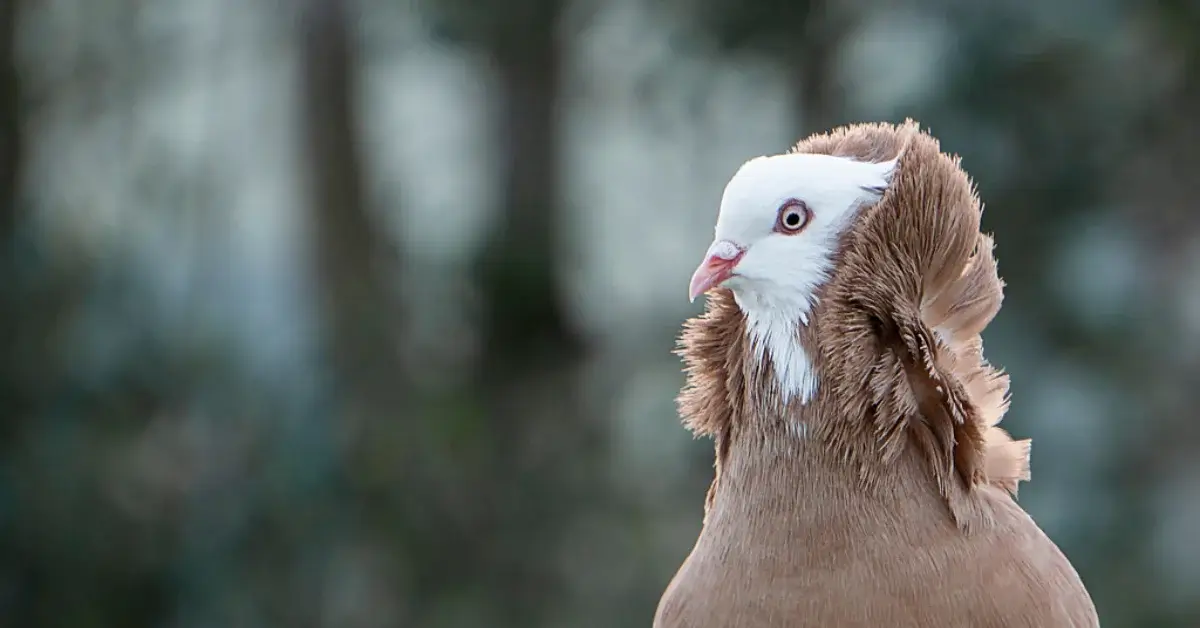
(803, 581)
(780, 551)
(756, 571)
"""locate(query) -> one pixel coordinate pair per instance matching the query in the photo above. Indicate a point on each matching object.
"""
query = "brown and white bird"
(861, 478)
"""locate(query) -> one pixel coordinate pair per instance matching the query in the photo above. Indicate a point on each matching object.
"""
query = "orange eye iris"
(793, 217)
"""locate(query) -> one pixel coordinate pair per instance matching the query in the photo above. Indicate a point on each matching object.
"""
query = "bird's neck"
(775, 324)
(771, 476)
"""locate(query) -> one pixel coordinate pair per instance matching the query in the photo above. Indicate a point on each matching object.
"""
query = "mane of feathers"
(712, 346)
(916, 286)
(896, 331)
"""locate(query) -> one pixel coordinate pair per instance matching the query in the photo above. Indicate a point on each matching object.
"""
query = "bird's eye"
(793, 217)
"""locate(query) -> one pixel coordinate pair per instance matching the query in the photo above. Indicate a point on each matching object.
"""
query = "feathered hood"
(894, 337)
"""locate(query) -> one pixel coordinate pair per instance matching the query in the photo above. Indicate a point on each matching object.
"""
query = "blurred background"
(360, 313)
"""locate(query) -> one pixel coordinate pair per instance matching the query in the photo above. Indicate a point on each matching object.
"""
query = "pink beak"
(718, 266)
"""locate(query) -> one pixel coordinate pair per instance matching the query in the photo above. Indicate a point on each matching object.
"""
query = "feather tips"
(711, 346)
(958, 313)
(917, 270)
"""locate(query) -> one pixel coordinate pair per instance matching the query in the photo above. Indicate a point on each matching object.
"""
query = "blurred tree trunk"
(543, 447)
(518, 267)
(1168, 150)
(49, 577)
(17, 392)
(359, 319)
(821, 99)
(20, 356)
(354, 257)
(16, 387)
(530, 354)
(10, 119)
(490, 524)
(1162, 153)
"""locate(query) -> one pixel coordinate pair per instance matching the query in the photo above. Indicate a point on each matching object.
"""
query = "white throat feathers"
(779, 225)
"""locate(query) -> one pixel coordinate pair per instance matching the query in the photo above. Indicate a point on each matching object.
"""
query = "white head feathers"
(780, 221)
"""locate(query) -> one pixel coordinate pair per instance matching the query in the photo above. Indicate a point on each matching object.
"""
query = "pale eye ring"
(793, 217)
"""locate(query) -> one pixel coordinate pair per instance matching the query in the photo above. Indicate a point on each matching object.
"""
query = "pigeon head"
(780, 223)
